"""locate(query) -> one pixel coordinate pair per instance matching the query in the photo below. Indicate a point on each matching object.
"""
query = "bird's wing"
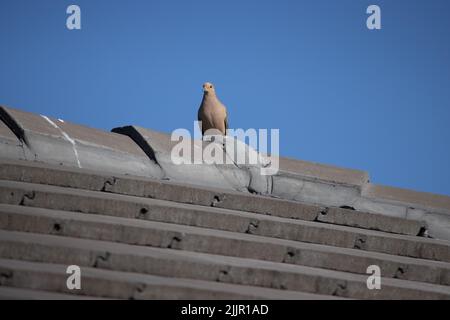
(226, 119)
(200, 118)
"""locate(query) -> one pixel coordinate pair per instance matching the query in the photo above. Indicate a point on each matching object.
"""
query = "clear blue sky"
(339, 93)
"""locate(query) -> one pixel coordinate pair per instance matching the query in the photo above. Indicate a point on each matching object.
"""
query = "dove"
(212, 113)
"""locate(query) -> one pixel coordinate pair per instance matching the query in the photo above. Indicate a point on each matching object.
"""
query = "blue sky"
(339, 93)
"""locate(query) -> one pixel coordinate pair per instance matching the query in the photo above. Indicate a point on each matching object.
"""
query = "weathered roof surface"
(324, 172)
(140, 227)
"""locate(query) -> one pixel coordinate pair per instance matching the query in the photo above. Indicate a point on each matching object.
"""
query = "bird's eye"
(210, 87)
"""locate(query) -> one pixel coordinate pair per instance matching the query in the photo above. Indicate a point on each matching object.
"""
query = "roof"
(141, 227)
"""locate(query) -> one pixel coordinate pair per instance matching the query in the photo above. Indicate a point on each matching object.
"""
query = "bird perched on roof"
(212, 113)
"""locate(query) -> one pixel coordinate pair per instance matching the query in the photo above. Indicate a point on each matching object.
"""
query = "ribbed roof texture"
(141, 227)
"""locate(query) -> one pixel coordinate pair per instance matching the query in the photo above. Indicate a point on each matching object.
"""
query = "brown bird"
(212, 113)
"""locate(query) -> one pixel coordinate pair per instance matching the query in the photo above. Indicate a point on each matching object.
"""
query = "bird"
(212, 113)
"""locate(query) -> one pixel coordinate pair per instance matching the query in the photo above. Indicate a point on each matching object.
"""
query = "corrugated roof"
(141, 227)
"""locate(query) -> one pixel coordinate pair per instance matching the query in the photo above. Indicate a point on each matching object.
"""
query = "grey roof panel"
(116, 204)
(58, 142)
